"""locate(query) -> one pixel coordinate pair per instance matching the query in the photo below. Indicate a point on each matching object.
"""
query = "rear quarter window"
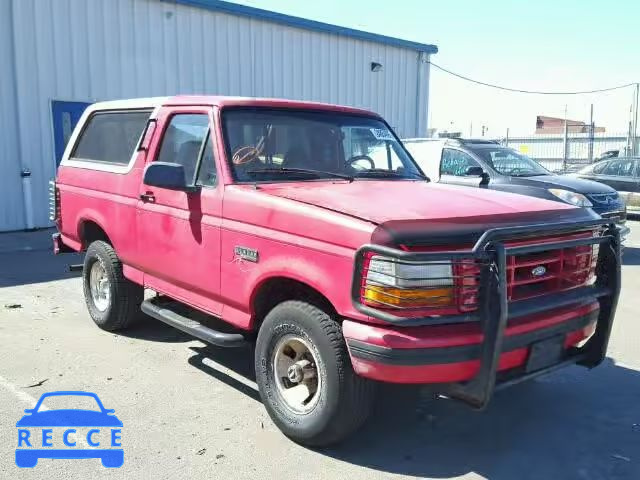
(110, 137)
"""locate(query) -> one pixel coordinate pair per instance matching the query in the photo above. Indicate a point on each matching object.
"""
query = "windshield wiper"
(304, 171)
(390, 174)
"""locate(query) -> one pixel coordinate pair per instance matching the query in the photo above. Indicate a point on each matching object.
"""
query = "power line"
(534, 92)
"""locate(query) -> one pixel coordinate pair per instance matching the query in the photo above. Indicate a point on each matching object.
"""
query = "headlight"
(573, 198)
(395, 283)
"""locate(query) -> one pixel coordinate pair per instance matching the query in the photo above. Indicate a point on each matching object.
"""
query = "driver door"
(179, 232)
(453, 167)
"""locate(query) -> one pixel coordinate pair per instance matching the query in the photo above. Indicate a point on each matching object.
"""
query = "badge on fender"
(245, 253)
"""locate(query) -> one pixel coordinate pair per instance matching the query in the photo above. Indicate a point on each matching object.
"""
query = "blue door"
(65, 116)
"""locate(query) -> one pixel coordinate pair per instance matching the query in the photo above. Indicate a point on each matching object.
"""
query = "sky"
(547, 45)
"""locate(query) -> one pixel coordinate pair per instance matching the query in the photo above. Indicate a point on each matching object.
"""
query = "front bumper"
(468, 357)
(446, 353)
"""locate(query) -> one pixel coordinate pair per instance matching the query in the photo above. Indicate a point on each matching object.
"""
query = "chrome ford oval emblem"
(539, 271)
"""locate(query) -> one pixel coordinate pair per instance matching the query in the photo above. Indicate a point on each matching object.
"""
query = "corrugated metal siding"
(88, 50)
(11, 203)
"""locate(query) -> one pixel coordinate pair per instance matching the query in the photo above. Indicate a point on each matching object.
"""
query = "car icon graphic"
(30, 447)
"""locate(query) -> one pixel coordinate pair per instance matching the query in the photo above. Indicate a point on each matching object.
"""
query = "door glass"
(182, 142)
(619, 168)
(455, 162)
(599, 167)
(207, 173)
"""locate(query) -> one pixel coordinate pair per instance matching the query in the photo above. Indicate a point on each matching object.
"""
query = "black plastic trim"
(192, 327)
(485, 249)
(461, 353)
(494, 308)
(576, 296)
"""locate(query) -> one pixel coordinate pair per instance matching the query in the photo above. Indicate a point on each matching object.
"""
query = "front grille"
(533, 274)
(605, 200)
(551, 271)
(405, 287)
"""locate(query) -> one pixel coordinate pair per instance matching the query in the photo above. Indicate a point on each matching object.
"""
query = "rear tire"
(112, 300)
(339, 401)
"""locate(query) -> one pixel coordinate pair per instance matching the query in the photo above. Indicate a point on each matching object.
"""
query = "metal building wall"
(11, 199)
(89, 50)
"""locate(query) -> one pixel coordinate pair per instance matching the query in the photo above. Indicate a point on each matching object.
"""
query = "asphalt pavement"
(191, 410)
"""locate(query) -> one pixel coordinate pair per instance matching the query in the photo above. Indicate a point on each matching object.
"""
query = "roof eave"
(299, 22)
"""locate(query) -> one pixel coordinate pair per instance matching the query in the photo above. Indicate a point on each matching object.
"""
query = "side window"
(619, 168)
(207, 173)
(111, 137)
(599, 167)
(455, 162)
(627, 168)
(182, 142)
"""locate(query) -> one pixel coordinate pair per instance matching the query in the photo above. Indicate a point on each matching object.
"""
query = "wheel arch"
(89, 230)
(274, 290)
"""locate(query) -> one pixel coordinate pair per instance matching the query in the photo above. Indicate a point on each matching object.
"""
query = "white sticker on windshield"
(381, 134)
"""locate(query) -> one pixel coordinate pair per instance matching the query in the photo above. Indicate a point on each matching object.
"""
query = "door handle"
(148, 197)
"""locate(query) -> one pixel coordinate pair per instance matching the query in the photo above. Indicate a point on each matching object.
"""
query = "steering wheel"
(356, 158)
(245, 155)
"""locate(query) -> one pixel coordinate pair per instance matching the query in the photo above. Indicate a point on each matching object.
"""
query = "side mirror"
(29, 410)
(474, 171)
(167, 175)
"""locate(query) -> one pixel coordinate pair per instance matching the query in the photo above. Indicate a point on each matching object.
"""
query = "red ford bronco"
(309, 229)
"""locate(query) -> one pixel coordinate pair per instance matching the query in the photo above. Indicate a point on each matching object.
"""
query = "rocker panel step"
(192, 327)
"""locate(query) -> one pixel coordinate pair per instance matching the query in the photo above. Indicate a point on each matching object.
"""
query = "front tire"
(112, 300)
(305, 377)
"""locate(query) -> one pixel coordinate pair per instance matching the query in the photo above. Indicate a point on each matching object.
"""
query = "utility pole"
(634, 122)
(591, 132)
(565, 143)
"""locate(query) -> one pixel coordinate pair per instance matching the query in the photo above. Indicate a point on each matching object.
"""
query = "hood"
(574, 184)
(383, 201)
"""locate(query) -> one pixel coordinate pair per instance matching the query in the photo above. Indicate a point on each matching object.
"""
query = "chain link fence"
(570, 152)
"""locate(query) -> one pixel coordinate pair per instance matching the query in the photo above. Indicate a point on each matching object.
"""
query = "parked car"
(271, 216)
(608, 154)
(622, 174)
(487, 164)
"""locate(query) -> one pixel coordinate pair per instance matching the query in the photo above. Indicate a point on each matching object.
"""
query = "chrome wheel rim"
(297, 375)
(99, 286)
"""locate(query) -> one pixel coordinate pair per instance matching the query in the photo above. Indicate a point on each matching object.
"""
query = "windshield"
(509, 162)
(284, 145)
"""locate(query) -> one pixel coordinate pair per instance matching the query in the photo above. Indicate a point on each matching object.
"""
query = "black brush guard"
(494, 308)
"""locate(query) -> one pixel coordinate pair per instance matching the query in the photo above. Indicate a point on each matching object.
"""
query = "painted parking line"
(19, 394)
(31, 401)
